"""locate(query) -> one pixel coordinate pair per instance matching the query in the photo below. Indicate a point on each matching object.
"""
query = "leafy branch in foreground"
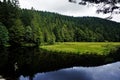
(104, 6)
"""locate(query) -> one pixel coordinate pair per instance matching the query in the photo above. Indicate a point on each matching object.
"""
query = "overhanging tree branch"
(104, 6)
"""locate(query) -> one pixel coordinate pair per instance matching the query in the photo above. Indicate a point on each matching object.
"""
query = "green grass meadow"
(101, 48)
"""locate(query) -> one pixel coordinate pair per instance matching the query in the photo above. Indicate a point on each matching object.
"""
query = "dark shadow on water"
(27, 61)
(106, 72)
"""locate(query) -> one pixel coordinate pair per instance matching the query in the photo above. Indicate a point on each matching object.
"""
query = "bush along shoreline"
(87, 59)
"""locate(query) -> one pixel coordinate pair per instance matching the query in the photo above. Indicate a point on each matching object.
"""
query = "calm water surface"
(105, 72)
(31, 63)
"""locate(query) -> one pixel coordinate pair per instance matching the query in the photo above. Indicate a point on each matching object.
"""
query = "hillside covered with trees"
(20, 26)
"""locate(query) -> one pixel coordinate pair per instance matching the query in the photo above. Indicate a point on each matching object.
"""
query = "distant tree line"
(21, 26)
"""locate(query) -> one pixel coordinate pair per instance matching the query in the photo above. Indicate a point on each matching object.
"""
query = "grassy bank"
(83, 47)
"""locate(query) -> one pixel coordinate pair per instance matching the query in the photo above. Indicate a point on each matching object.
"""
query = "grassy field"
(83, 47)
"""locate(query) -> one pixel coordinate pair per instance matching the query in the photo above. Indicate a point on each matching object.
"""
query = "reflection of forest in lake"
(27, 61)
(106, 72)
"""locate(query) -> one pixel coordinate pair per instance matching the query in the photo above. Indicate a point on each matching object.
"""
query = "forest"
(22, 26)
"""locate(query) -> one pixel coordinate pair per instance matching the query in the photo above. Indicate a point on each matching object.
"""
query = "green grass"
(82, 47)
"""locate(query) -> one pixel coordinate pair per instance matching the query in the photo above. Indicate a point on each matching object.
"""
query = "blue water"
(105, 72)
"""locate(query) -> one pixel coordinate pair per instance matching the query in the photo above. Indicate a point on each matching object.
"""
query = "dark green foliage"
(9, 16)
(64, 29)
(9, 12)
(36, 27)
(3, 35)
(16, 22)
(28, 34)
(17, 33)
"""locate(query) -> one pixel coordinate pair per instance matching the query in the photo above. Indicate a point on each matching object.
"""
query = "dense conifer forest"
(19, 26)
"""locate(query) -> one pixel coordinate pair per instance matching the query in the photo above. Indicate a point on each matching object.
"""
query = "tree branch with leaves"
(104, 6)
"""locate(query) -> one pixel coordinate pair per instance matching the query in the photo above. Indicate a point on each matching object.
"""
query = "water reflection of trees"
(31, 60)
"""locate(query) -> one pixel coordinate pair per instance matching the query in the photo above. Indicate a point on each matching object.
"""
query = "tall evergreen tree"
(17, 33)
(8, 13)
(3, 35)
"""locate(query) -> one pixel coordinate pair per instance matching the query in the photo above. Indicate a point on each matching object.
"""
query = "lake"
(31, 63)
(105, 72)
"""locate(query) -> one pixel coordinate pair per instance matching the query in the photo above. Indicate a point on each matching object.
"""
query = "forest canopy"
(21, 26)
